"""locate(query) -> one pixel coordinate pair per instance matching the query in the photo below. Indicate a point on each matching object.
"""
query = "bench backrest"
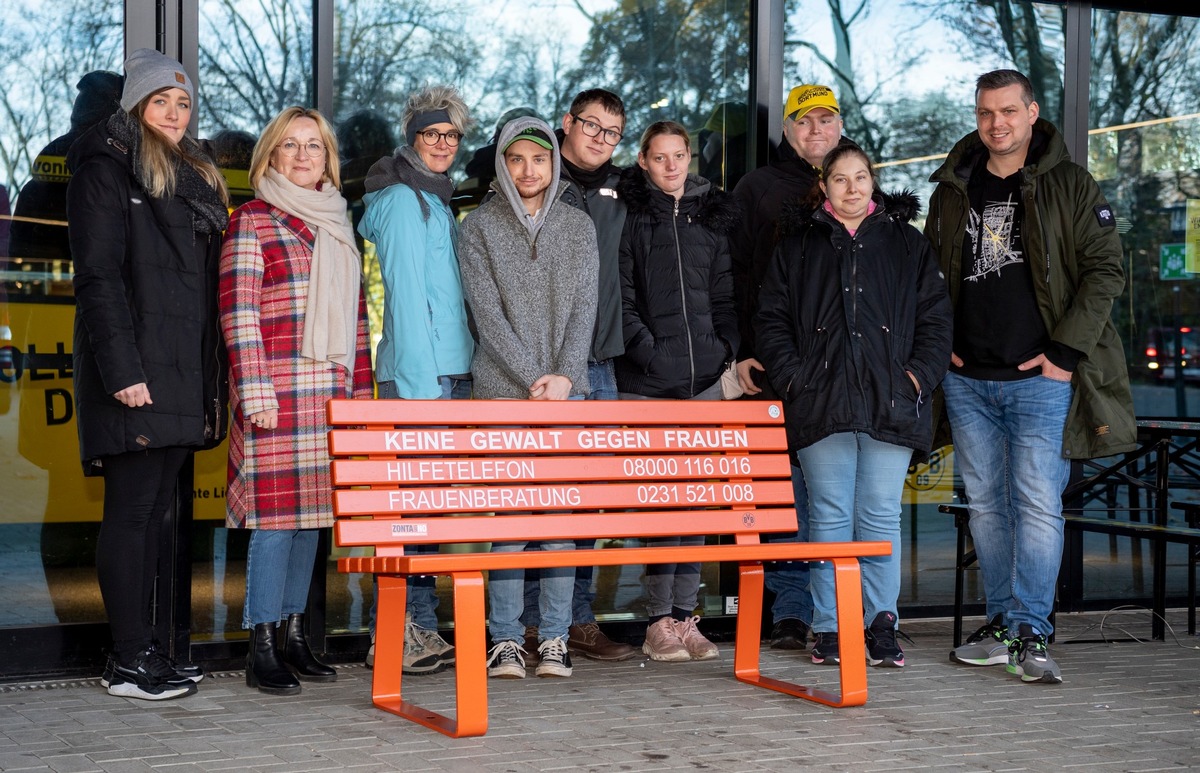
(616, 469)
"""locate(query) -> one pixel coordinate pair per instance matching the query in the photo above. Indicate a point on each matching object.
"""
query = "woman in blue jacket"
(426, 348)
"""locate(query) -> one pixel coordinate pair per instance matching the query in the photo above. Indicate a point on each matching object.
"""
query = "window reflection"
(59, 62)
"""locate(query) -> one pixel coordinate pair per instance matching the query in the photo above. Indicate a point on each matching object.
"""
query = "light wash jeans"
(603, 382)
(422, 597)
(506, 599)
(854, 487)
(788, 580)
(1008, 438)
(279, 569)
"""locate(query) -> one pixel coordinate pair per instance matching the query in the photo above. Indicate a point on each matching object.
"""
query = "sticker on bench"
(403, 528)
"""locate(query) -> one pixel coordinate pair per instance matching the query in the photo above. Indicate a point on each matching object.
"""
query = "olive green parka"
(1075, 257)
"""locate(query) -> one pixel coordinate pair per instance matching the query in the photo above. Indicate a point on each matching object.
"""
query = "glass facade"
(1123, 85)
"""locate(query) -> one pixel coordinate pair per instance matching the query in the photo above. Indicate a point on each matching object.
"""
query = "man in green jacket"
(1030, 251)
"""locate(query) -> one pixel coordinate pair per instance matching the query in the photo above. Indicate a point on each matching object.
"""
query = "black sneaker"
(149, 677)
(825, 651)
(882, 649)
(789, 634)
(188, 673)
(555, 658)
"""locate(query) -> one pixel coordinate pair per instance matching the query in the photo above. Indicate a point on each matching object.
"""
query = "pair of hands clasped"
(550, 387)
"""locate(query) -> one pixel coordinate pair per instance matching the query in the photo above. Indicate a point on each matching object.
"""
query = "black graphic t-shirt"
(997, 325)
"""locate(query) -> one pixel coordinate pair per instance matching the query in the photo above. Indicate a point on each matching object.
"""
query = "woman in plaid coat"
(294, 320)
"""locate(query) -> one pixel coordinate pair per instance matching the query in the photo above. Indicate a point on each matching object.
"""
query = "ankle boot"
(297, 654)
(264, 669)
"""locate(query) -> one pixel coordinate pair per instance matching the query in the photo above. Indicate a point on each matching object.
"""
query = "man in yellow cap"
(812, 126)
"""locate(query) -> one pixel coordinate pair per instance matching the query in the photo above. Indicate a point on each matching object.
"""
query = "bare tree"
(43, 53)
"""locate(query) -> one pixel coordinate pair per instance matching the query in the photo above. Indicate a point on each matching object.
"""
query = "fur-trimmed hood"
(901, 207)
(715, 209)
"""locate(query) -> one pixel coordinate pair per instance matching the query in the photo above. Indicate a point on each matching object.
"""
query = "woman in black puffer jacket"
(680, 330)
(676, 286)
(854, 326)
(146, 208)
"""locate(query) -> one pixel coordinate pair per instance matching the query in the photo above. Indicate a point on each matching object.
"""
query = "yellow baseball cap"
(807, 97)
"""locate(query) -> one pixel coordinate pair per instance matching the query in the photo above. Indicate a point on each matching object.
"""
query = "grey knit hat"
(147, 71)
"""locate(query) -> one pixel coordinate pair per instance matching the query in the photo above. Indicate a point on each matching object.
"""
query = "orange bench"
(569, 470)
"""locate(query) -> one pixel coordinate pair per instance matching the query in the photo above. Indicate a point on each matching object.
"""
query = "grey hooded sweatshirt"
(530, 283)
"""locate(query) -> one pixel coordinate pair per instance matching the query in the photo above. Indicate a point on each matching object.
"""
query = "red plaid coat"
(278, 479)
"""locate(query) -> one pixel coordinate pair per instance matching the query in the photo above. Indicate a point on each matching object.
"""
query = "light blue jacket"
(425, 333)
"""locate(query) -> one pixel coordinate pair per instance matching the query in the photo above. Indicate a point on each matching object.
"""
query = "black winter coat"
(842, 319)
(676, 288)
(146, 310)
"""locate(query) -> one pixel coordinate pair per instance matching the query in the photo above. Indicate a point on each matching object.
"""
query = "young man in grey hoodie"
(529, 267)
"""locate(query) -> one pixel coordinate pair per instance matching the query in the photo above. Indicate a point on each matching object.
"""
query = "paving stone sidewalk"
(1124, 706)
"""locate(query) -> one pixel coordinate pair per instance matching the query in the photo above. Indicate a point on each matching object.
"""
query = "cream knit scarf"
(335, 276)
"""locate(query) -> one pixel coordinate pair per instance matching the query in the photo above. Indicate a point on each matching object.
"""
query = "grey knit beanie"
(147, 71)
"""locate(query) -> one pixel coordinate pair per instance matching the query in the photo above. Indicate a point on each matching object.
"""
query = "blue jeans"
(788, 580)
(854, 488)
(506, 597)
(1008, 438)
(603, 382)
(422, 589)
(279, 568)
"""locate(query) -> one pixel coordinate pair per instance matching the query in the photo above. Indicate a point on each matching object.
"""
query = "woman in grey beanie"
(146, 209)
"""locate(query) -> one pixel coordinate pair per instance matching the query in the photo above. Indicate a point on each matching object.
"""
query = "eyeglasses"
(592, 129)
(291, 147)
(431, 137)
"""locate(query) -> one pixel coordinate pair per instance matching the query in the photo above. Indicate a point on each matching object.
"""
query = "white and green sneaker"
(986, 647)
(1028, 658)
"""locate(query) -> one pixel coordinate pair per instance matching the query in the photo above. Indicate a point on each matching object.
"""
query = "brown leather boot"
(588, 640)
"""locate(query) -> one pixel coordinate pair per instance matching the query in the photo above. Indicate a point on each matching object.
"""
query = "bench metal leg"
(747, 651)
(389, 642)
(470, 678)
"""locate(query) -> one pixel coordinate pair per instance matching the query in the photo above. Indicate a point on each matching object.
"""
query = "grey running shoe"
(986, 647)
(1028, 658)
(506, 661)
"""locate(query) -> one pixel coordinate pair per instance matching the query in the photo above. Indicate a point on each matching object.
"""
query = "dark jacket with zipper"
(676, 287)
(843, 319)
(146, 310)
